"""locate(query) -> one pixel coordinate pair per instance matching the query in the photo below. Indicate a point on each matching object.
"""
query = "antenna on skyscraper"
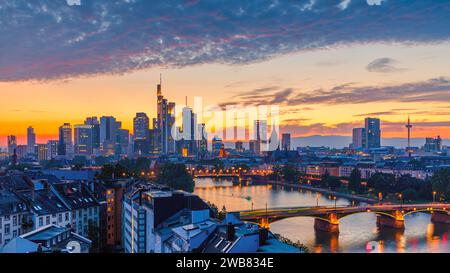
(160, 78)
(186, 102)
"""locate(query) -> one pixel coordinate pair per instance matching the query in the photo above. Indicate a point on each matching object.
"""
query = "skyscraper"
(286, 142)
(52, 149)
(31, 140)
(12, 144)
(123, 140)
(165, 119)
(358, 138)
(65, 147)
(84, 139)
(95, 131)
(108, 134)
(41, 150)
(260, 130)
(373, 133)
(141, 133)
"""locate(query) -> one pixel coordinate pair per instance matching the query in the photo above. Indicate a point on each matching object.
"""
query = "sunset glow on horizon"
(323, 89)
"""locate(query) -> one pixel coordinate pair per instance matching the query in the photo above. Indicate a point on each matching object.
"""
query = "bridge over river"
(327, 218)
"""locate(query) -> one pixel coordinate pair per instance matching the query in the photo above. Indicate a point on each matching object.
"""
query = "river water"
(358, 232)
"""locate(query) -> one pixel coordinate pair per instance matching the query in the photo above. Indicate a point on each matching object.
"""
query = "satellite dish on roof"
(73, 247)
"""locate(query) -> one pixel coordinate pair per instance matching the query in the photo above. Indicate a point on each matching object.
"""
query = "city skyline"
(323, 87)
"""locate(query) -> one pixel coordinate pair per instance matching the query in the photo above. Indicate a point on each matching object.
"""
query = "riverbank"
(351, 197)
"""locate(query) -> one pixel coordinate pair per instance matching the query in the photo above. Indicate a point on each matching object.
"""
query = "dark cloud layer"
(51, 39)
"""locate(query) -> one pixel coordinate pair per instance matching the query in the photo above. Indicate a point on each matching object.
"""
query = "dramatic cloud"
(432, 90)
(67, 38)
(383, 65)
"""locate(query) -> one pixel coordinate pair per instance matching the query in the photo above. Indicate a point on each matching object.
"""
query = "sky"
(327, 64)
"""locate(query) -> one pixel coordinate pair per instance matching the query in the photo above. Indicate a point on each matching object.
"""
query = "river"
(358, 232)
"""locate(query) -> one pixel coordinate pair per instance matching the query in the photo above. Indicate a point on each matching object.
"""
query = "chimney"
(230, 232)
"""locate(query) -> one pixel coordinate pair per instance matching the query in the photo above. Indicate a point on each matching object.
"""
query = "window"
(0, 238)
(7, 229)
(7, 217)
(41, 221)
(14, 221)
(67, 216)
(47, 220)
(1, 222)
(60, 217)
(14, 233)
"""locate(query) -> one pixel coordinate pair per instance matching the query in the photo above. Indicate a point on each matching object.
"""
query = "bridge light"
(368, 210)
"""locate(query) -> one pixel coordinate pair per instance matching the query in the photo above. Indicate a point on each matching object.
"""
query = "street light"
(434, 196)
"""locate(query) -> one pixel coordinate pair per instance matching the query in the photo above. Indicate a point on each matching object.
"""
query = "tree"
(409, 194)
(441, 183)
(276, 172)
(214, 209)
(175, 176)
(333, 182)
(354, 182)
(290, 173)
(324, 179)
(381, 182)
(118, 170)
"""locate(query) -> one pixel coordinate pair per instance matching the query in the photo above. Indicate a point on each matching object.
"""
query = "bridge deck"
(322, 211)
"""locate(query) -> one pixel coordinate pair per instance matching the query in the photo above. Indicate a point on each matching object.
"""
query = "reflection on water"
(358, 232)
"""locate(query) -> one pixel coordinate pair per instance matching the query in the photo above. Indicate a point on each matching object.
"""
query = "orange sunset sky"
(323, 90)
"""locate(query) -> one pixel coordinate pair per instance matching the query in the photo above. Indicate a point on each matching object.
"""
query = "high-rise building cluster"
(160, 136)
(368, 137)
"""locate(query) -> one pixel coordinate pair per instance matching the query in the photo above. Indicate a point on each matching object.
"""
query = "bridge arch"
(428, 210)
(370, 211)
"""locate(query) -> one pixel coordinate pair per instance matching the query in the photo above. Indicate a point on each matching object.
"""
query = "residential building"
(12, 211)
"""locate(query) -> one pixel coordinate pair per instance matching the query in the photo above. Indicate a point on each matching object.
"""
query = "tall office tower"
(260, 130)
(433, 144)
(31, 140)
(123, 140)
(41, 150)
(373, 133)
(108, 134)
(12, 144)
(141, 133)
(84, 139)
(358, 138)
(95, 131)
(165, 119)
(202, 141)
(170, 124)
(190, 130)
(52, 149)
(254, 146)
(65, 145)
(286, 142)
